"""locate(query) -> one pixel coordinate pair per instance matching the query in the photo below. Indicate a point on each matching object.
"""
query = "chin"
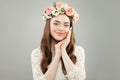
(59, 39)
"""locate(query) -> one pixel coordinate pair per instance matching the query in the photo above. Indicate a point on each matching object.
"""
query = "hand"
(59, 47)
(66, 41)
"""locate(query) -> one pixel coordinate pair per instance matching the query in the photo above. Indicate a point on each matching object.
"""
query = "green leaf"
(62, 10)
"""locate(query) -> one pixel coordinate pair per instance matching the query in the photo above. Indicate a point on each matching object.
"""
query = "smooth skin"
(63, 35)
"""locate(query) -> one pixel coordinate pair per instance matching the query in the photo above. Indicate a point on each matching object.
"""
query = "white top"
(77, 73)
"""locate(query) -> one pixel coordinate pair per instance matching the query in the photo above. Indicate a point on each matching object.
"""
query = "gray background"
(98, 30)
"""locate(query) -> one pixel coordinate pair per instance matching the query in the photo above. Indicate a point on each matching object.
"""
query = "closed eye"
(67, 25)
(56, 23)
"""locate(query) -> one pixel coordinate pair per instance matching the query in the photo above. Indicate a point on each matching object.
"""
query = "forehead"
(61, 18)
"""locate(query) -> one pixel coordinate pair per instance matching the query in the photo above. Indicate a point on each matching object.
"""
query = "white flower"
(60, 8)
(46, 16)
(55, 12)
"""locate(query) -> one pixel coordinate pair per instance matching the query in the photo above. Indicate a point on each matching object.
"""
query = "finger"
(60, 43)
(69, 33)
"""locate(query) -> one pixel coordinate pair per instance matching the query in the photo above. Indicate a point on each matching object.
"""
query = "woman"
(58, 58)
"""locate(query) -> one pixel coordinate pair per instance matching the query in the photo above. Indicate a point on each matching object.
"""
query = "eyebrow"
(56, 21)
(59, 21)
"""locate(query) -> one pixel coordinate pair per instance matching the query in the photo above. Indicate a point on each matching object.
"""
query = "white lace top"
(77, 73)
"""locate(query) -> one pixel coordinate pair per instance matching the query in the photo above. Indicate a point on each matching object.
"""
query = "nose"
(61, 27)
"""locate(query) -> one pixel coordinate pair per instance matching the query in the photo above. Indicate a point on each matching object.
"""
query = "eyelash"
(66, 25)
(55, 23)
(58, 24)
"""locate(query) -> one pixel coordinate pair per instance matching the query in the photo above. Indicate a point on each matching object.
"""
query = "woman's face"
(59, 27)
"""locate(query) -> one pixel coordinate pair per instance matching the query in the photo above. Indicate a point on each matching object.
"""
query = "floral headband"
(60, 8)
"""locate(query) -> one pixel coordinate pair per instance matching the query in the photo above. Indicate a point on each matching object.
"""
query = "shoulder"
(36, 53)
(79, 51)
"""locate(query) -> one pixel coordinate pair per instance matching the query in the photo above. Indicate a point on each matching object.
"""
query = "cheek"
(66, 31)
(51, 28)
(52, 31)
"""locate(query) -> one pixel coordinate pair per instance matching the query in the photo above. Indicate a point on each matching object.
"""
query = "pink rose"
(59, 5)
(49, 10)
(69, 11)
(66, 6)
(76, 16)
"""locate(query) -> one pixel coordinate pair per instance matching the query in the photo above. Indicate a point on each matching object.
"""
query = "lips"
(60, 33)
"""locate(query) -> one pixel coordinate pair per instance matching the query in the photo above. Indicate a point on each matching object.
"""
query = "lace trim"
(43, 78)
(73, 74)
(77, 73)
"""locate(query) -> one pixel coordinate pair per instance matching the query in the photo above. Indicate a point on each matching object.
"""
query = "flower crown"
(60, 8)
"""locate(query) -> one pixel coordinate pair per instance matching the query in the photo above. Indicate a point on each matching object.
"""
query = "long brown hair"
(45, 48)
